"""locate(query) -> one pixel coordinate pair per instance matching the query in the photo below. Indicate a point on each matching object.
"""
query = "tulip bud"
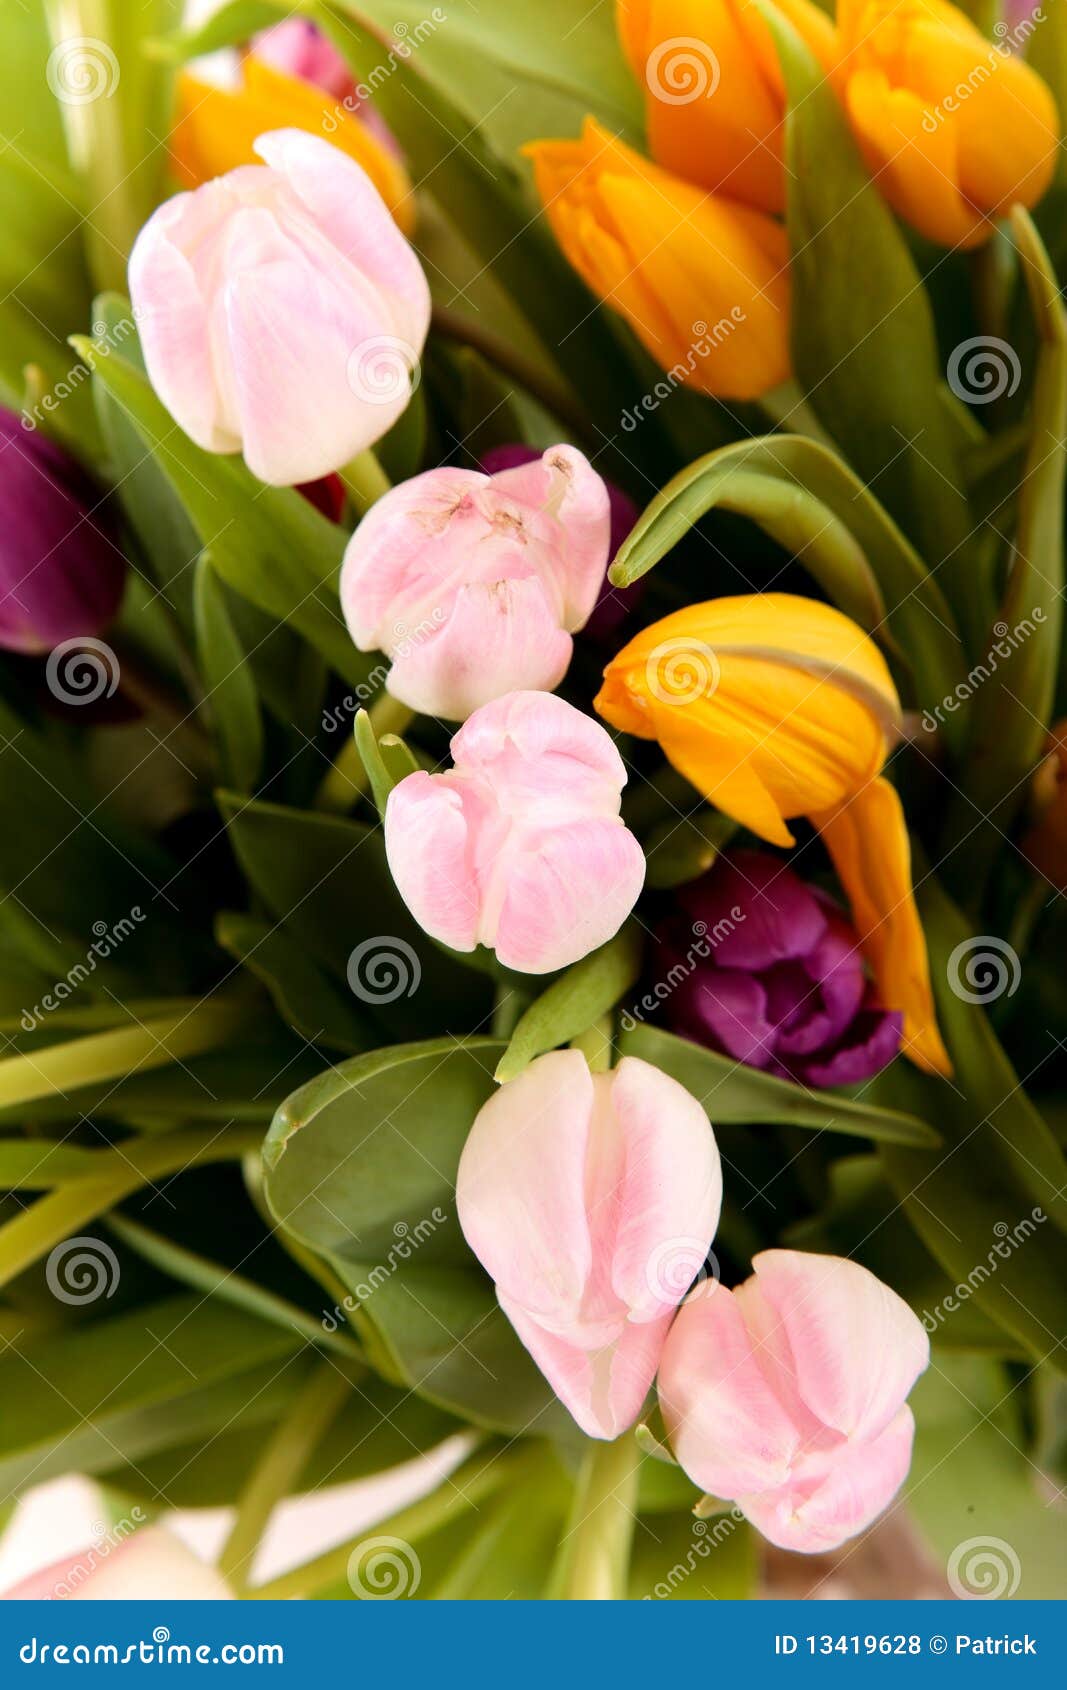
(281, 311)
(296, 47)
(520, 846)
(591, 1200)
(701, 279)
(150, 1564)
(473, 584)
(61, 573)
(758, 965)
(788, 1395)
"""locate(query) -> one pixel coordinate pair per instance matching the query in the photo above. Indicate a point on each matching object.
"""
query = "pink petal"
(172, 321)
(563, 485)
(543, 757)
(727, 1427)
(860, 1480)
(671, 1193)
(856, 1347)
(603, 1389)
(520, 1187)
(568, 891)
(499, 636)
(433, 829)
(150, 1564)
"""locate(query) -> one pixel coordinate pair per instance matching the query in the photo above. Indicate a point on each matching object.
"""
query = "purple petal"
(756, 911)
(870, 1044)
(726, 1011)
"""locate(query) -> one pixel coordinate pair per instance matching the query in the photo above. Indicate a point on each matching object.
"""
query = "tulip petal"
(563, 485)
(151, 1564)
(567, 893)
(433, 836)
(603, 1389)
(856, 1347)
(871, 1043)
(817, 1515)
(780, 918)
(867, 838)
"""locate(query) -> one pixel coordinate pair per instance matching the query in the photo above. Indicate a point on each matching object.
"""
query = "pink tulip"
(296, 47)
(281, 311)
(592, 1201)
(473, 584)
(787, 1396)
(150, 1564)
(520, 846)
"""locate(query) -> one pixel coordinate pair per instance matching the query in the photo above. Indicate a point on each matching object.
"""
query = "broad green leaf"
(228, 683)
(303, 994)
(806, 498)
(361, 1168)
(685, 846)
(572, 1003)
(732, 1092)
(864, 345)
(28, 1164)
(267, 542)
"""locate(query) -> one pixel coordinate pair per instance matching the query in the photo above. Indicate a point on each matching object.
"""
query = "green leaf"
(266, 542)
(36, 1164)
(231, 690)
(361, 1168)
(807, 499)
(506, 1554)
(732, 1092)
(572, 1003)
(386, 764)
(303, 994)
(685, 846)
(679, 1558)
(864, 345)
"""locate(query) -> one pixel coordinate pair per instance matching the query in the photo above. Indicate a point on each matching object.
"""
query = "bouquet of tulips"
(534, 816)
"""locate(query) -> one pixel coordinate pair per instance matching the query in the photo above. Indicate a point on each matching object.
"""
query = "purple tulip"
(615, 603)
(758, 965)
(61, 573)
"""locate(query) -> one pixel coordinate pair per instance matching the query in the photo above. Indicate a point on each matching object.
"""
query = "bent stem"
(279, 1467)
(347, 780)
(365, 481)
(594, 1558)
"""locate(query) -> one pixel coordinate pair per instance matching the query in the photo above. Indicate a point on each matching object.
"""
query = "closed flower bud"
(296, 47)
(776, 706)
(591, 1200)
(473, 584)
(61, 572)
(956, 128)
(701, 279)
(788, 1395)
(281, 310)
(520, 846)
(756, 964)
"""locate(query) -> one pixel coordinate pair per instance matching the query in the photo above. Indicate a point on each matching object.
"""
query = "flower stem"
(539, 381)
(595, 1044)
(594, 1557)
(278, 1470)
(365, 481)
(347, 780)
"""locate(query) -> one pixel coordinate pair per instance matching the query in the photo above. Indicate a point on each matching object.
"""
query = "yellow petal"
(215, 129)
(867, 838)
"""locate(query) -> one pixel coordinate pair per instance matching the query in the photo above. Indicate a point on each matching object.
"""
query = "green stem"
(469, 1485)
(594, 1557)
(1026, 913)
(34, 1232)
(365, 481)
(346, 780)
(508, 1007)
(595, 1044)
(531, 374)
(279, 1467)
(786, 408)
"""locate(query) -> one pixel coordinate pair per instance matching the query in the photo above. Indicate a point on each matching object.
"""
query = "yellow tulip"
(215, 129)
(775, 706)
(955, 128)
(713, 89)
(701, 280)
